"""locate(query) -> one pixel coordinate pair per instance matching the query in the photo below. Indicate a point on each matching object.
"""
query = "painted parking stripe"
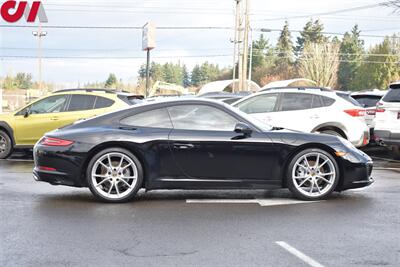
(299, 254)
(261, 202)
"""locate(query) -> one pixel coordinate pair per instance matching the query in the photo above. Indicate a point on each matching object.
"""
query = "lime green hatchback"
(23, 128)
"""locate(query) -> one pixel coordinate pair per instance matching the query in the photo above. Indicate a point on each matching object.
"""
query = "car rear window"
(367, 100)
(349, 99)
(102, 102)
(392, 96)
(81, 102)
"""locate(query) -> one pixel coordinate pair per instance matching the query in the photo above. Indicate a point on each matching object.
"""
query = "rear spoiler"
(395, 85)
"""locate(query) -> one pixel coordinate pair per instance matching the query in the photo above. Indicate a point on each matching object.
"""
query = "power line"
(328, 12)
(173, 28)
(119, 57)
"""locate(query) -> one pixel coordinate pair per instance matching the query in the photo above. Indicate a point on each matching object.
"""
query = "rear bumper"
(53, 177)
(387, 137)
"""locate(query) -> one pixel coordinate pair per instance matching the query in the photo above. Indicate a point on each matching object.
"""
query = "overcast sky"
(185, 46)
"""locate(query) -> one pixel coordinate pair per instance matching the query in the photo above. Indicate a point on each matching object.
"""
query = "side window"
(81, 102)
(201, 117)
(296, 101)
(317, 102)
(102, 102)
(327, 101)
(259, 104)
(51, 104)
(157, 118)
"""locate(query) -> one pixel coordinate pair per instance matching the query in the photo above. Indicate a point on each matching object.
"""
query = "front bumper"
(356, 175)
(388, 137)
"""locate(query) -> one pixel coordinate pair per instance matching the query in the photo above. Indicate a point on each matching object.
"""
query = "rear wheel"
(313, 174)
(114, 175)
(6, 147)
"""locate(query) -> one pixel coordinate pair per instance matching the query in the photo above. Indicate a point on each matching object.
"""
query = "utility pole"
(246, 46)
(235, 44)
(241, 44)
(39, 34)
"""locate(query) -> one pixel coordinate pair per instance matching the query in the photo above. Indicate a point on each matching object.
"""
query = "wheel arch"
(335, 126)
(131, 147)
(321, 146)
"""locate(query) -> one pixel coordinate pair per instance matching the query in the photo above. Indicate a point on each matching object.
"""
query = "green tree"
(173, 73)
(23, 80)
(202, 74)
(186, 77)
(284, 49)
(381, 66)
(351, 50)
(311, 33)
(111, 81)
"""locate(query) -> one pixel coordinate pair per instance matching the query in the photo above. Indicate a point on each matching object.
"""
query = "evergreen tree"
(351, 50)
(186, 77)
(111, 81)
(284, 47)
(311, 33)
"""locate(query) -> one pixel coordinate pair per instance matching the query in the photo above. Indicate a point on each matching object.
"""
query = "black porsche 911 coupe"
(195, 144)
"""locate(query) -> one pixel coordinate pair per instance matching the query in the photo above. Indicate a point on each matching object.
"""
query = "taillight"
(49, 141)
(379, 107)
(355, 112)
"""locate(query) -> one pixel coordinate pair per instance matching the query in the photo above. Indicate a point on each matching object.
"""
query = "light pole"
(39, 34)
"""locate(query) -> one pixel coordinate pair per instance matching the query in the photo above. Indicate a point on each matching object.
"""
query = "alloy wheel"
(114, 175)
(314, 174)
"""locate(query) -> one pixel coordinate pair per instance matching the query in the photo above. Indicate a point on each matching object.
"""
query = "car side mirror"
(243, 128)
(26, 113)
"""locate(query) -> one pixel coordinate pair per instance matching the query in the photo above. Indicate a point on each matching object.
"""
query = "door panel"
(222, 155)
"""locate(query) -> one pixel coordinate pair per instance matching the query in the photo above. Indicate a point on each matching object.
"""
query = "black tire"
(7, 148)
(126, 153)
(396, 152)
(291, 181)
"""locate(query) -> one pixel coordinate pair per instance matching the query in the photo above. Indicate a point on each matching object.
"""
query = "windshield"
(259, 124)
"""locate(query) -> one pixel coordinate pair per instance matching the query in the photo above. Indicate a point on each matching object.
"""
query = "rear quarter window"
(392, 96)
(102, 102)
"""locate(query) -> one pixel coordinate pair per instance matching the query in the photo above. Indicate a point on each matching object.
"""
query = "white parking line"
(299, 254)
(261, 202)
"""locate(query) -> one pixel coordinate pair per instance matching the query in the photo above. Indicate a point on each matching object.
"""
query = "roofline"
(322, 89)
(110, 91)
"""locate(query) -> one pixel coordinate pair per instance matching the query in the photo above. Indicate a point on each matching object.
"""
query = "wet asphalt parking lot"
(44, 225)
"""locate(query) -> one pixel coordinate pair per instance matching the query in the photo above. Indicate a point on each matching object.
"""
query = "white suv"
(387, 120)
(313, 110)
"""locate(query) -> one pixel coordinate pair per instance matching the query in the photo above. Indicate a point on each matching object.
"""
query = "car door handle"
(54, 118)
(314, 116)
(128, 128)
(183, 146)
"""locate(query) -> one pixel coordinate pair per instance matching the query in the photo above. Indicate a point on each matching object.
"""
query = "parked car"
(23, 128)
(369, 100)
(312, 110)
(387, 121)
(195, 144)
(226, 97)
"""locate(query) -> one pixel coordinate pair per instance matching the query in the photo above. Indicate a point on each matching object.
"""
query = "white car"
(313, 110)
(387, 121)
(369, 100)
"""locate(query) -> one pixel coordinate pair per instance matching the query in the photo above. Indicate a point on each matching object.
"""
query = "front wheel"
(313, 174)
(114, 175)
(6, 147)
